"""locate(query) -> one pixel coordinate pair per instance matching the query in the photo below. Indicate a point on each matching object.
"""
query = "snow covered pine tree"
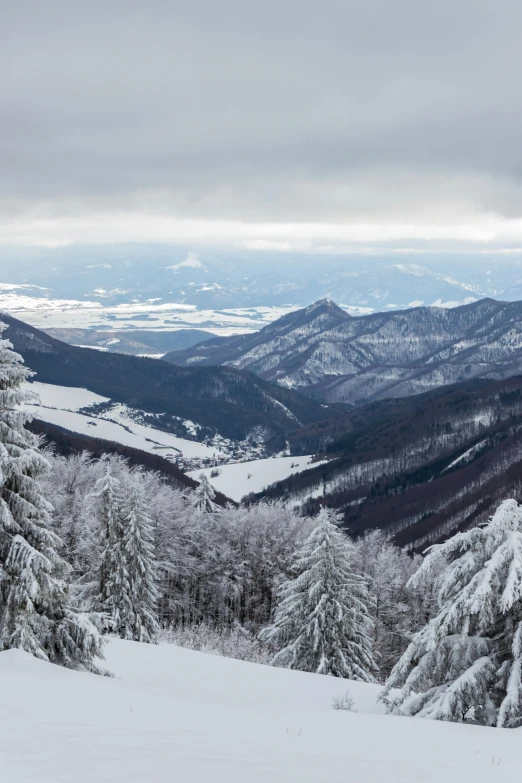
(111, 588)
(141, 622)
(322, 622)
(466, 663)
(204, 497)
(37, 612)
(127, 571)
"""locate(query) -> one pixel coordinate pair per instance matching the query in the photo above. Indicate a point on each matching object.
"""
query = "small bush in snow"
(344, 703)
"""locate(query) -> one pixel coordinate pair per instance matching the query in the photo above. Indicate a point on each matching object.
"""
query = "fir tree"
(204, 495)
(466, 663)
(137, 618)
(37, 611)
(322, 622)
(112, 586)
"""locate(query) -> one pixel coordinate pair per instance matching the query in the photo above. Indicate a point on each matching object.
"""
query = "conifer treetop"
(203, 499)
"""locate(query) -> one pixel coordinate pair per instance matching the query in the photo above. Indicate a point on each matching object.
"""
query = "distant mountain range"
(120, 274)
(233, 403)
(139, 342)
(421, 467)
(330, 355)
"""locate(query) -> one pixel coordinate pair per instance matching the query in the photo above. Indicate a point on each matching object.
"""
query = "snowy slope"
(238, 480)
(65, 397)
(60, 405)
(177, 715)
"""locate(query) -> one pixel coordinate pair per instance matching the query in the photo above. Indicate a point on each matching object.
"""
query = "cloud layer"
(401, 116)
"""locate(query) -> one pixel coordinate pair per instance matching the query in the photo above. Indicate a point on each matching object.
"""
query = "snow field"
(60, 405)
(64, 397)
(233, 480)
(171, 714)
(45, 313)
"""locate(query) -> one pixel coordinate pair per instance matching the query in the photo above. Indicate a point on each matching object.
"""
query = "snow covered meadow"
(240, 479)
(64, 406)
(34, 306)
(72, 408)
(175, 714)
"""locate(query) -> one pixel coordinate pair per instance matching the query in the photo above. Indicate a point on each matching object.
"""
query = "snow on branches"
(203, 497)
(466, 663)
(322, 622)
(38, 612)
(127, 571)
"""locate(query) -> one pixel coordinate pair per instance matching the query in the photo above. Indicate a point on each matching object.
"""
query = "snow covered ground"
(66, 397)
(46, 313)
(171, 714)
(239, 479)
(60, 405)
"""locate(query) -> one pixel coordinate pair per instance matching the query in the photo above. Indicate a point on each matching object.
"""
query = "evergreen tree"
(322, 622)
(137, 618)
(466, 663)
(37, 611)
(112, 587)
(203, 499)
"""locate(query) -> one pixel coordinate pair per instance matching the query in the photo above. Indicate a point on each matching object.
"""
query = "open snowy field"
(238, 480)
(176, 715)
(68, 398)
(60, 405)
(46, 313)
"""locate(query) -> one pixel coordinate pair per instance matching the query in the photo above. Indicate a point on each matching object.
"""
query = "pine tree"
(140, 621)
(112, 587)
(466, 663)
(204, 497)
(127, 569)
(322, 622)
(37, 610)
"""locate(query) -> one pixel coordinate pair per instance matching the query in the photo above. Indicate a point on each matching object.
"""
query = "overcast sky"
(275, 124)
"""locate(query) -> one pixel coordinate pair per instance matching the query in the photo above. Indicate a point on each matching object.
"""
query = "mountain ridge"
(233, 403)
(327, 354)
(117, 274)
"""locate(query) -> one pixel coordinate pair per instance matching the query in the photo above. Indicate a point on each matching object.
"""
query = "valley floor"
(171, 714)
(240, 479)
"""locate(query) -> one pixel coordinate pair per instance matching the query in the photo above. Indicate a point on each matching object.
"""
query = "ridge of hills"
(137, 342)
(420, 468)
(233, 403)
(329, 355)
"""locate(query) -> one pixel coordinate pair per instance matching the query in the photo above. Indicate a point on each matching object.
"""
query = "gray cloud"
(262, 111)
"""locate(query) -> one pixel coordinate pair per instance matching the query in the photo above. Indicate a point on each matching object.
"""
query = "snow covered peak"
(191, 262)
(324, 305)
(372, 356)
(320, 303)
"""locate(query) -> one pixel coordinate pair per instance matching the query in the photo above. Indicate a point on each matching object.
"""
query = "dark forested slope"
(234, 403)
(421, 468)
